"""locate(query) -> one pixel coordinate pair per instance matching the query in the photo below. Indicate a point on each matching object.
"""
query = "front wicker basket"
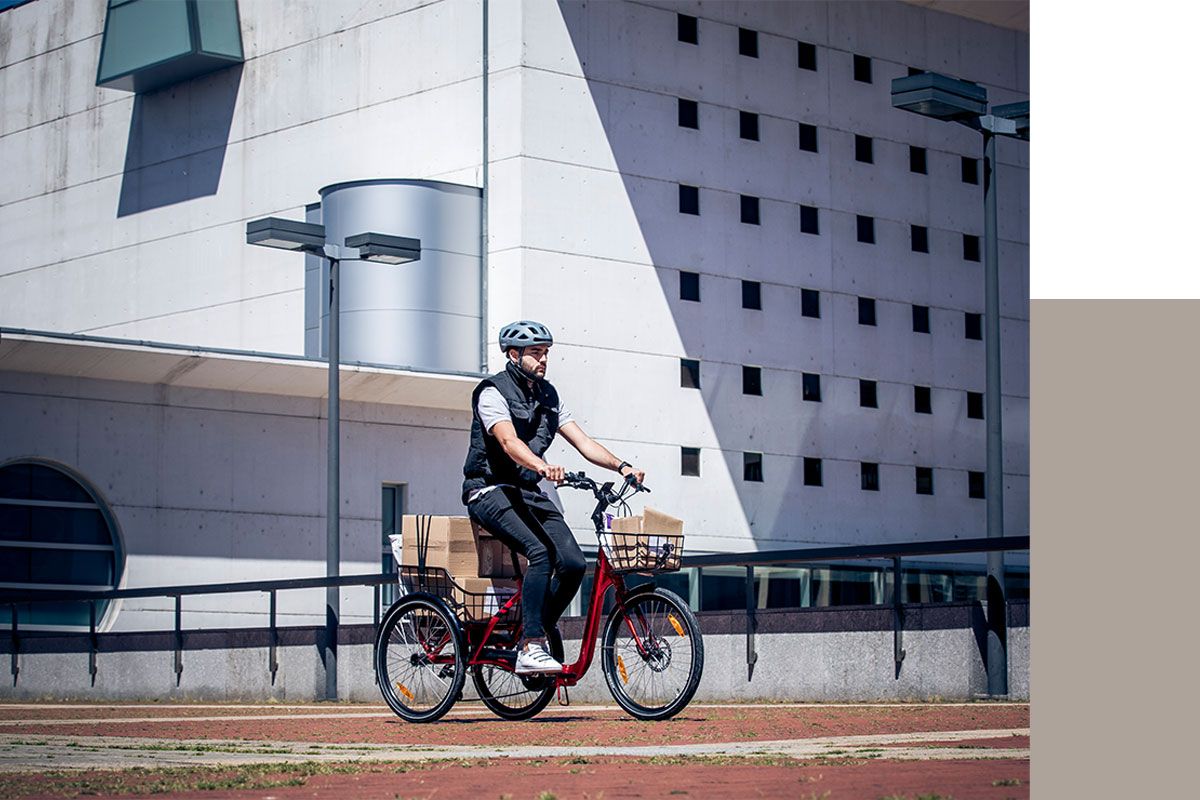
(646, 553)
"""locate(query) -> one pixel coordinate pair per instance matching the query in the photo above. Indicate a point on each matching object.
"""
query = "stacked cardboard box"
(645, 540)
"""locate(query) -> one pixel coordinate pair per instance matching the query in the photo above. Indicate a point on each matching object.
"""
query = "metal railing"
(749, 561)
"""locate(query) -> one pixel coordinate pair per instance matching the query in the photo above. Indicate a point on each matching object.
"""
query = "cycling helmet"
(524, 333)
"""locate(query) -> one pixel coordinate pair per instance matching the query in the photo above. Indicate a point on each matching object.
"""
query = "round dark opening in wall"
(55, 533)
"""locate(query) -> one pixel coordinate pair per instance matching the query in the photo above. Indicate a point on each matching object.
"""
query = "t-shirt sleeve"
(492, 408)
(564, 414)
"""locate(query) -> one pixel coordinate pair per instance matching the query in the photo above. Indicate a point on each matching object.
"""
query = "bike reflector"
(621, 669)
(675, 624)
(404, 690)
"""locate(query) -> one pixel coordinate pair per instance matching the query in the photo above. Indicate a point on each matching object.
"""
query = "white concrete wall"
(214, 486)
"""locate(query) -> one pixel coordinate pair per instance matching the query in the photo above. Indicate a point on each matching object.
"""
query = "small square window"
(812, 471)
(806, 56)
(688, 29)
(689, 199)
(808, 220)
(752, 295)
(920, 239)
(752, 467)
(976, 485)
(689, 373)
(808, 137)
(863, 149)
(916, 160)
(924, 480)
(922, 401)
(748, 125)
(689, 114)
(689, 286)
(974, 405)
(970, 247)
(862, 69)
(970, 170)
(870, 476)
(973, 326)
(868, 396)
(752, 380)
(866, 229)
(920, 319)
(689, 461)
(750, 210)
(748, 42)
(810, 303)
(811, 387)
(866, 311)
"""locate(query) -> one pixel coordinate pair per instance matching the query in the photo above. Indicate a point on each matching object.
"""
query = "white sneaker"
(535, 659)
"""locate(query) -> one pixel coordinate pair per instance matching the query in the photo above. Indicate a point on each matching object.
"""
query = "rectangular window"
(916, 160)
(748, 125)
(752, 380)
(688, 29)
(970, 247)
(924, 480)
(808, 137)
(920, 319)
(689, 114)
(689, 199)
(862, 69)
(973, 326)
(689, 461)
(922, 400)
(812, 471)
(864, 151)
(870, 476)
(868, 395)
(976, 485)
(748, 42)
(392, 513)
(866, 229)
(974, 405)
(808, 220)
(689, 286)
(920, 239)
(866, 311)
(689, 373)
(810, 303)
(806, 56)
(752, 467)
(811, 387)
(752, 295)
(970, 170)
(750, 210)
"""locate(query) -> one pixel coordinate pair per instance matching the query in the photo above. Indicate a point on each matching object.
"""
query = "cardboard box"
(650, 539)
(455, 544)
(486, 596)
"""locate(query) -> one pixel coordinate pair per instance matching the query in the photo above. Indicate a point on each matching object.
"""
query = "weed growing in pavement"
(1007, 782)
(547, 796)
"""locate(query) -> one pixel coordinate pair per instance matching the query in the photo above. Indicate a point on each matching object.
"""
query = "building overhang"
(99, 358)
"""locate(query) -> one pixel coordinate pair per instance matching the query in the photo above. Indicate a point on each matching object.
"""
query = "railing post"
(93, 642)
(272, 659)
(695, 589)
(897, 614)
(751, 623)
(178, 639)
(16, 645)
(375, 637)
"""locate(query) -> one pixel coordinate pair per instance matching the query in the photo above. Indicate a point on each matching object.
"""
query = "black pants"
(529, 523)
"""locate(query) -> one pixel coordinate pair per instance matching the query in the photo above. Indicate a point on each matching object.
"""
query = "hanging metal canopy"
(149, 44)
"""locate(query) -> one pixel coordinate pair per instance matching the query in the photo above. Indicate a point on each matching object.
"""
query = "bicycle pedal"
(564, 697)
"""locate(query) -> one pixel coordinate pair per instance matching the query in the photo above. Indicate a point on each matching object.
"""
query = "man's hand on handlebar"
(553, 472)
(639, 476)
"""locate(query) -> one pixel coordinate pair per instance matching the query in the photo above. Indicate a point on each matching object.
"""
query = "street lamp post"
(309, 237)
(952, 100)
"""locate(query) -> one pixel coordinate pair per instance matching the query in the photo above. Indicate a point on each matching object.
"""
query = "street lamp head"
(383, 249)
(286, 234)
(932, 94)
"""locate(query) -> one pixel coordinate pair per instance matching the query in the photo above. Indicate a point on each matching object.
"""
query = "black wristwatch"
(623, 465)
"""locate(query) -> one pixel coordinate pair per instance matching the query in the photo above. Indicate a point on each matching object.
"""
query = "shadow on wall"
(177, 141)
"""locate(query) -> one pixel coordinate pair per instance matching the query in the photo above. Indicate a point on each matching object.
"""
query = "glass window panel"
(219, 32)
(142, 33)
(71, 525)
(71, 566)
(16, 481)
(47, 483)
(14, 523)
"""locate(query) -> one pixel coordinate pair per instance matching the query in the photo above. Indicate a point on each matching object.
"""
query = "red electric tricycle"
(651, 650)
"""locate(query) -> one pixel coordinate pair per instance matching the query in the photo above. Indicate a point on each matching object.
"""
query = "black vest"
(534, 413)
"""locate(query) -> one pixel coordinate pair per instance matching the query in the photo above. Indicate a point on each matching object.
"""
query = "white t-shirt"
(493, 408)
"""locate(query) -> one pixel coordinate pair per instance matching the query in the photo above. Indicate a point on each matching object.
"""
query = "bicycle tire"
(498, 687)
(409, 629)
(669, 632)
